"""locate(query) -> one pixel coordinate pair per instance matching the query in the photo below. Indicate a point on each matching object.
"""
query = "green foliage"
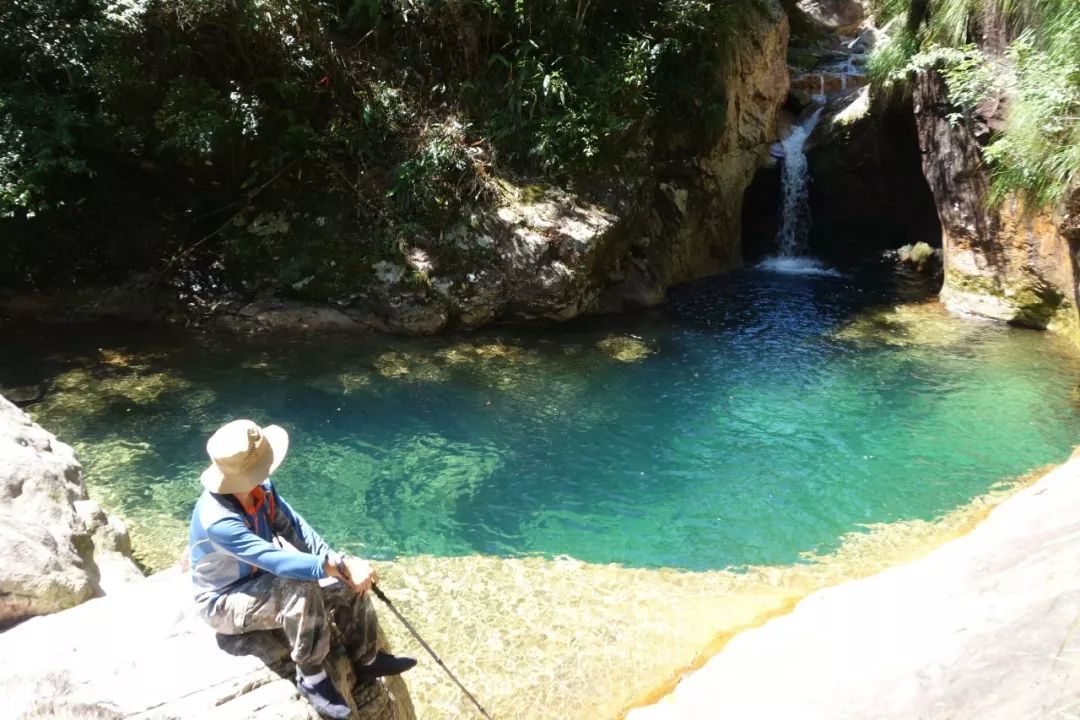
(970, 75)
(44, 48)
(890, 63)
(1037, 153)
(381, 119)
(1039, 150)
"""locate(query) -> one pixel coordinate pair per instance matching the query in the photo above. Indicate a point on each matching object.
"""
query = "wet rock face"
(687, 221)
(57, 547)
(869, 193)
(1012, 262)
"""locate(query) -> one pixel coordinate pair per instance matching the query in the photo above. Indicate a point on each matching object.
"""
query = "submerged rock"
(924, 324)
(57, 547)
(624, 348)
(23, 395)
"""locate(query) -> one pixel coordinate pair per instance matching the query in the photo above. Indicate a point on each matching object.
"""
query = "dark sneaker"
(387, 664)
(325, 698)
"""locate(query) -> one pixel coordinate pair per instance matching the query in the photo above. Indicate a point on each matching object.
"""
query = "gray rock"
(800, 98)
(414, 314)
(143, 653)
(287, 315)
(57, 547)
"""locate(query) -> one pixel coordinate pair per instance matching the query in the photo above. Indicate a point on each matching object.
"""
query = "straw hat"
(243, 455)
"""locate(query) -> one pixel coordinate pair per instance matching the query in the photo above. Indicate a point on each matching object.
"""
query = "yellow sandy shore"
(539, 639)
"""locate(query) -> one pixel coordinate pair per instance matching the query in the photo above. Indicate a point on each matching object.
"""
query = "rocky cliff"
(1011, 262)
(869, 193)
(692, 220)
(57, 547)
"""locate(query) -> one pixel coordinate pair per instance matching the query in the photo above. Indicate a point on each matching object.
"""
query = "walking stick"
(408, 626)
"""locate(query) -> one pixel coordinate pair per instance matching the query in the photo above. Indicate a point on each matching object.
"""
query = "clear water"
(747, 422)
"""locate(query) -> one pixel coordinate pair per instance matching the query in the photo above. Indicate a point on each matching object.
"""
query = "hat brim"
(277, 446)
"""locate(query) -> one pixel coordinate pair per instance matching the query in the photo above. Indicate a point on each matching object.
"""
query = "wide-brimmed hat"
(243, 455)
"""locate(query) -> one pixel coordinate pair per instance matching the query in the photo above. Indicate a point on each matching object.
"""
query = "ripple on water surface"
(757, 417)
(755, 421)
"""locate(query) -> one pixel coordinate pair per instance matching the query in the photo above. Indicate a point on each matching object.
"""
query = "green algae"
(925, 324)
(625, 348)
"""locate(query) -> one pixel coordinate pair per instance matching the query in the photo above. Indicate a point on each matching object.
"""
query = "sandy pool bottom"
(537, 639)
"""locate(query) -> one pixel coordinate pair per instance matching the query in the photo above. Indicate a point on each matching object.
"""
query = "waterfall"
(795, 226)
(795, 222)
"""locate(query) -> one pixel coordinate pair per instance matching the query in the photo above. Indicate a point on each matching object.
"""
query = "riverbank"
(510, 628)
(484, 463)
(981, 627)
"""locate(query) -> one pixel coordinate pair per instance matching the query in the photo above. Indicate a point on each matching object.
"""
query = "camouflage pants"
(315, 616)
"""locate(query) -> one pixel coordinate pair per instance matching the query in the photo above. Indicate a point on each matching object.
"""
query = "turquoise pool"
(756, 417)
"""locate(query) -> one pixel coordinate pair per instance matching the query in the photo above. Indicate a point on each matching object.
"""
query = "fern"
(1037, 153)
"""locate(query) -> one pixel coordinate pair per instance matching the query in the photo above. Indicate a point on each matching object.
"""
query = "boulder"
(57, 547)
(144, 653)
(412, 313)
(23, 395)
(919, 256)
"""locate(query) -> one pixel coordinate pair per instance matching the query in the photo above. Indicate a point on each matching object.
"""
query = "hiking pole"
(408, 626)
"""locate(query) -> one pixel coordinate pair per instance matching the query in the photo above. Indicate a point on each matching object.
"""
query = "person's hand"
(360, 574)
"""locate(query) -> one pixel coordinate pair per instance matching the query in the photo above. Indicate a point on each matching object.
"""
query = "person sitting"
(256, 565)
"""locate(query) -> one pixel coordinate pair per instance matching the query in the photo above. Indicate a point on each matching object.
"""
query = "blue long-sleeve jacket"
(228, 545)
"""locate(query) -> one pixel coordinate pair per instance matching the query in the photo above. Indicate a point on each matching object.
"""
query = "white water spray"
(795, 225)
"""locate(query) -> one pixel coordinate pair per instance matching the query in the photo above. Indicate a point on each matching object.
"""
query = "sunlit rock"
(145, 653)
(979, 628)
(57, 547)
(920, 256)
(1004, 258)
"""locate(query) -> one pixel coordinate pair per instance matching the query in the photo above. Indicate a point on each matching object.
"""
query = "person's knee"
(292, 592)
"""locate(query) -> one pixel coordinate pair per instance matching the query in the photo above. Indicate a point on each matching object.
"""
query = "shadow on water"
(755, 417)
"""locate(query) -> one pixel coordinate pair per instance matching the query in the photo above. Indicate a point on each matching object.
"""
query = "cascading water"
(795, 220)
(795, 226)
